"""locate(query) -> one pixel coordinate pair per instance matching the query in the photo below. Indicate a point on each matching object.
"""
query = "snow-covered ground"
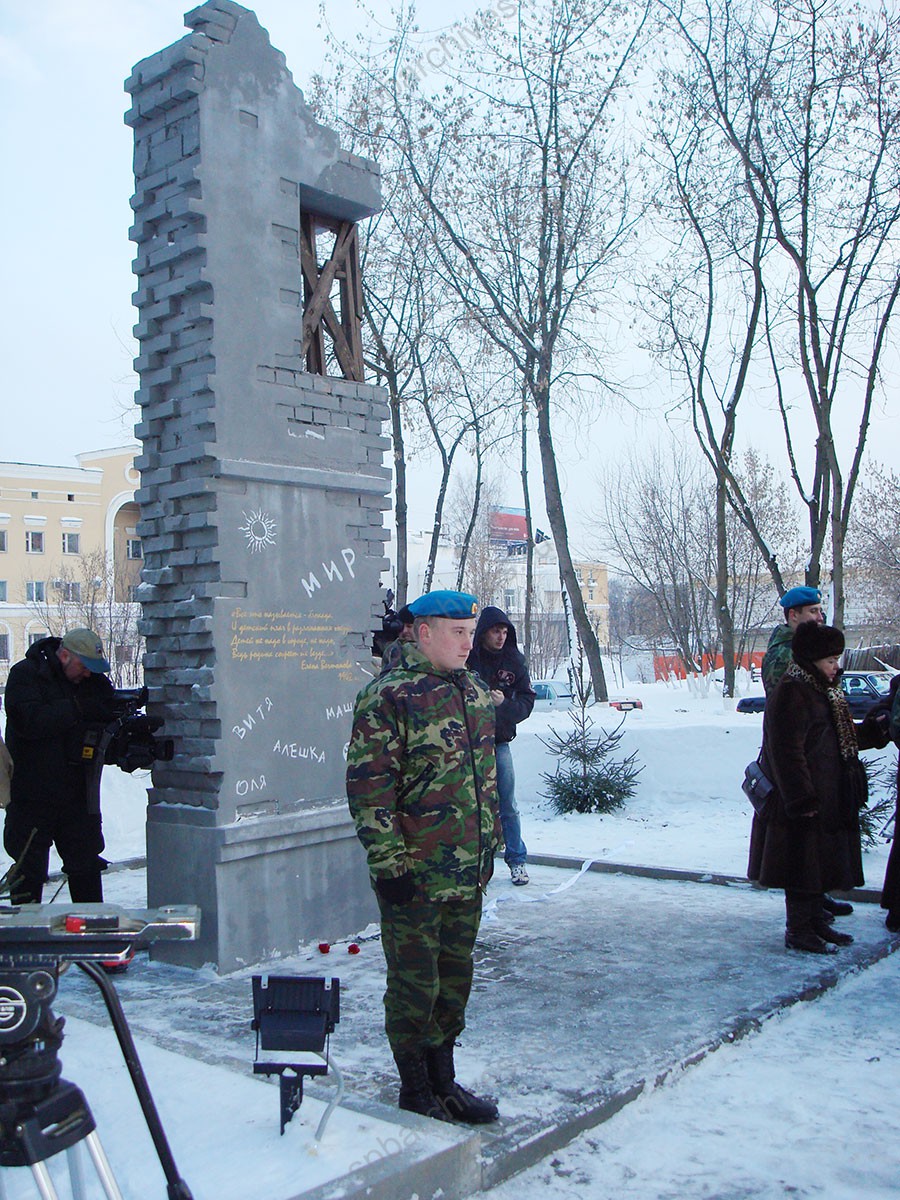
(808, 1107)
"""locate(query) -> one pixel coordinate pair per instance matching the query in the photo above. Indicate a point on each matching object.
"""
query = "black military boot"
(458, 1103)
(828, 934)
(804, 920)
(416, 1094)
(837, 908)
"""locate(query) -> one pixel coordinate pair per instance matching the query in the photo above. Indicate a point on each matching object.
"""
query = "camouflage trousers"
(428, 950)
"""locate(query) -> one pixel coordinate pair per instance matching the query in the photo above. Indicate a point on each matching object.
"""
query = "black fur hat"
(812, 641)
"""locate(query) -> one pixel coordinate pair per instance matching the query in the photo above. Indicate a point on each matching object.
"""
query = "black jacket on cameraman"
(47, 718)
(504, 671)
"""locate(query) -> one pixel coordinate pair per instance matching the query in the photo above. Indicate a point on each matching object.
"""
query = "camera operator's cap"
(88, 647)
(799, 597)
(456, 605)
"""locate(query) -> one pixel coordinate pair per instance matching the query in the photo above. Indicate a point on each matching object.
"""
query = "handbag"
(757, 787)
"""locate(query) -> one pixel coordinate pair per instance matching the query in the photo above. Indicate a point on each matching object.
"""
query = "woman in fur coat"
(890, 894)
(808, 842)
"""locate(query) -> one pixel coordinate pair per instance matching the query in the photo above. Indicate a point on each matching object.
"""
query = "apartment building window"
(2, 591)
(590, 593)
(37, 637)
(34, 541)
(2, 541)
(509, 597)
(71, 543)
(4, 646)
(70, 496)
(34, 495)
(71, 592)
(133, 548)
(35, 592)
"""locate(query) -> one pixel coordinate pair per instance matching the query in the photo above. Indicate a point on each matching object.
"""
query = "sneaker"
(518, 875)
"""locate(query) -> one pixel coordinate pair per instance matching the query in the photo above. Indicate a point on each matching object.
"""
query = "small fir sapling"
(874, 819)
(588, 779)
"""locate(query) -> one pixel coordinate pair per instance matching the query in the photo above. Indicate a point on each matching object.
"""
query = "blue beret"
(799, 597)
(445, 604)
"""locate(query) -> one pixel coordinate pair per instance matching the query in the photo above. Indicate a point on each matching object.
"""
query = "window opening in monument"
(332, 296)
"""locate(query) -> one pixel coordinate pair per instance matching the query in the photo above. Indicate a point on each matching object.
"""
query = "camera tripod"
(42, 1114)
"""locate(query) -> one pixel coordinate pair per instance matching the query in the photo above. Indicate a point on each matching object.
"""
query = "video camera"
(128, 742)
(132, 744)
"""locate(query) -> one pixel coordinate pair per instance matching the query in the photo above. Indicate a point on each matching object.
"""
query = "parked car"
(863, 689)
(552, 693)
(557, 693)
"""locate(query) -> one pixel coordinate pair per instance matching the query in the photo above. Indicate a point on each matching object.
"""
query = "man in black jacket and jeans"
(498, 660)
(54, 697)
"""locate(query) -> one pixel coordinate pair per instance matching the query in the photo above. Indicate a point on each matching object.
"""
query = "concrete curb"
(686, 875)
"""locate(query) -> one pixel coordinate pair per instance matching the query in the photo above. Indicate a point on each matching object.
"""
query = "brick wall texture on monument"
(182, 454)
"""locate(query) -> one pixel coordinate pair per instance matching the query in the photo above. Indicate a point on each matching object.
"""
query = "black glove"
(397, 890)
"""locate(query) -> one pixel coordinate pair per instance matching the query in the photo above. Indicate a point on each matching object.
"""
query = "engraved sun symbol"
(259, 530)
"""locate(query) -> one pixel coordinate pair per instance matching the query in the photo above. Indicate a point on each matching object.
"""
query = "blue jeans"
(509, 815)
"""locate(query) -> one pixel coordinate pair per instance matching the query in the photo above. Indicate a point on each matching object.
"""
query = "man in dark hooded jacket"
(54, 697)
(497, 659)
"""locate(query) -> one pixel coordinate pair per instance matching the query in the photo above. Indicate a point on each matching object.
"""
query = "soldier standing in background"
(422, 789)
(800, 604)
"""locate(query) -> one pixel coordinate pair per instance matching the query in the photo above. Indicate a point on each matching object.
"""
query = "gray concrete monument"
(262, 488)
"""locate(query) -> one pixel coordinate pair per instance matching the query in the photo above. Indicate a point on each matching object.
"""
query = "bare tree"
(805, 95)
(524, 183)
(873, 550)
(657, 530)
(92, 592)
(483, 565)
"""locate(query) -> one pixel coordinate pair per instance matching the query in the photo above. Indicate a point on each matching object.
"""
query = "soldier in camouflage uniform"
(800, 604)
(422, 788)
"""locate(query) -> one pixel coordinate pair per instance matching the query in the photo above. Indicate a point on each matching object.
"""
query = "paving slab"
(590, 986)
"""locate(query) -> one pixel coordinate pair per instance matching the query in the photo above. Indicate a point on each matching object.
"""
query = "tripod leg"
(76, 1172)
(43, 1182)
(101, 1164)
(176, 1186)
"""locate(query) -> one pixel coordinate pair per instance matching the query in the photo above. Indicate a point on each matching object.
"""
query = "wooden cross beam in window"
(318, 287)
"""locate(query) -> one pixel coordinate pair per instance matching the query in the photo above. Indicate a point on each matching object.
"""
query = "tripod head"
(35, 939)
(41, 1114)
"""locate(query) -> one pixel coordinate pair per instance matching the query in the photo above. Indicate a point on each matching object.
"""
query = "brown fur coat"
(809, 840)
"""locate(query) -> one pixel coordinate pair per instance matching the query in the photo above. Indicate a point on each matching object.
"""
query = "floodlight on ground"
(296, 1014)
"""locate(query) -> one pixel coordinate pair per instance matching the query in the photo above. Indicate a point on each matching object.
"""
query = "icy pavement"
(806, 1108)
(590, 990)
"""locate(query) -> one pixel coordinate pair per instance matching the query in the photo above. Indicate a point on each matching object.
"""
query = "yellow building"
(70, 554)
(593, 579)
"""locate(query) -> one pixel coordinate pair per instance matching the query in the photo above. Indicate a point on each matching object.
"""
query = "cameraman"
(54, 697)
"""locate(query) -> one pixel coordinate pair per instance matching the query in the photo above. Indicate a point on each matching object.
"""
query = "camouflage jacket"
(422, 778)
(778, 656)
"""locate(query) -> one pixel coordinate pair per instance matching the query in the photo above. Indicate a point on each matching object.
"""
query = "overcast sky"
(66, 347)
